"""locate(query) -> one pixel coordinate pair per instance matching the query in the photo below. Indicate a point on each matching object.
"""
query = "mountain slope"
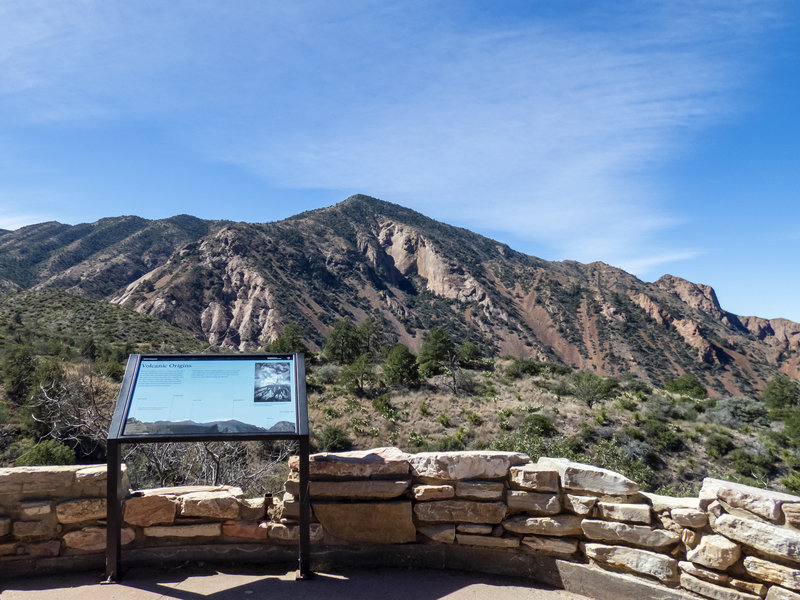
(238, 284)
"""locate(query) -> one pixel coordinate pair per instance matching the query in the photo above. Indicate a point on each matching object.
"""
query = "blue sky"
(660, 137)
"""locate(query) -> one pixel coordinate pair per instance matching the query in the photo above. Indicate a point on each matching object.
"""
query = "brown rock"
(291, 533)
(704, 574)
(433, 492)
(5, 526)
(356, 464)
(533, 502)
(689, 517)
(475, 529)
(776, 593)
(638, 535)
(359, 490)
(76, 511)
(588, 478)
(487, 541)
(466, 464)
(710, 590)
(49, 548)
(35, 509)
(445, 533)
(535, 478)
(690, 538)
(252, 509)
(369, 522)
(460, 511)
(715, 552)
(184, 531)
(148, 510)
(757, 589)
(33, 529)
(10, 549)
(639, 561)
(215, 505)
(549, 545)
(480, 490)
(771, 540)
(629, 513)
(792, 514)
(557, 525)
(245, 529)
(764, 503)
(580, 505)
(93, 539)
(774, 573)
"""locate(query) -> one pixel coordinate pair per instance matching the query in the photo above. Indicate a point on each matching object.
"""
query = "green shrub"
(781, 392)
(719, 444)
(47, 452)
(687, 384)
(334, 439)
(735, 412)
(755, 465)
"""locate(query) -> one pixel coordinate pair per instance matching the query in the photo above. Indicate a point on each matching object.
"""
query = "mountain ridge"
(238, 284)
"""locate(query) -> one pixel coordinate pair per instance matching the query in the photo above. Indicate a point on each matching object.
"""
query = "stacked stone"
(750, 548)
(173, 515)
(460, 496)
(357, 497)
(52, 511)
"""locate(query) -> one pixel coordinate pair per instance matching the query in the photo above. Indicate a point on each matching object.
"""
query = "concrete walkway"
(207, 583)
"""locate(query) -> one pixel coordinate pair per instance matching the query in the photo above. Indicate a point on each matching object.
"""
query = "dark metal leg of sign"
(305, 513)
(113, 513)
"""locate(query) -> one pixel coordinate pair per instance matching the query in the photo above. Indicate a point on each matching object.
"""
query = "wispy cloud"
(545, 126)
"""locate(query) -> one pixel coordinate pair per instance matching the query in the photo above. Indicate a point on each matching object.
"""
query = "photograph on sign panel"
(273, 382)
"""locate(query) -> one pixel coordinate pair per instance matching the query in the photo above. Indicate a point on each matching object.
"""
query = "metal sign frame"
(117, 437)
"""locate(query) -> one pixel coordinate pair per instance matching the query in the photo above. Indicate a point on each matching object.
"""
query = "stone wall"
(589, 524)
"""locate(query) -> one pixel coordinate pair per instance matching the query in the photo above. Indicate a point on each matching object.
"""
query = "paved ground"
(206, 583)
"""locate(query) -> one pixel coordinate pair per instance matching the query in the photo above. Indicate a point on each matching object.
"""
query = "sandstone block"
(356, 464)
(290, 507)
(40, 481)
(445, 533)
(715, 552)
(92, 474)
(35, 509)
(638, 535)
(690, 537)
(764, 503)
(33, 529)
(630, 513)
(433, 492)
(76, 511)
(222, 504)
(245, 529)
(148, 510)
(777, 593)
(549, 545)
(480, 490)
(533, 502)
(377, 489)
(711, 590)
(757, 589)
(460, 511)
(689, 517)
(474, 528)
(667, 503)
(252, 509)
(467, 464)
(49, 548)
(580, 505)
(369, 522)
(93, 539)
(534, 477)
(766, 538)
(588, 478)
(792, 514)
(705, 574)
(643, 562)
(5, 526)
(291, 533)
(487, 541)
(773, 573)
(184, 531)
(11, 549)
(557, 525)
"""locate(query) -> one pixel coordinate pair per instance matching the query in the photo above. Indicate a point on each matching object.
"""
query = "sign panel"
(211, 396)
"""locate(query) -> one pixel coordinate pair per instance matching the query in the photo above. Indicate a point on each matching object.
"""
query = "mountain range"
(236, 285)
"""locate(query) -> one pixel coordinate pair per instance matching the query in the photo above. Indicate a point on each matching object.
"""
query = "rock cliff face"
(237, 285)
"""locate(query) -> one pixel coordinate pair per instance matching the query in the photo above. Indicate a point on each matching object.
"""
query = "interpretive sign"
(200, 398)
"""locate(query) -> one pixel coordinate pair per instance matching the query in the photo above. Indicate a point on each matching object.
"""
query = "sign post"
(200, 398)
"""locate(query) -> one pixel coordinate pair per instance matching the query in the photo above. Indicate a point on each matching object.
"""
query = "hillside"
(237, 285)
